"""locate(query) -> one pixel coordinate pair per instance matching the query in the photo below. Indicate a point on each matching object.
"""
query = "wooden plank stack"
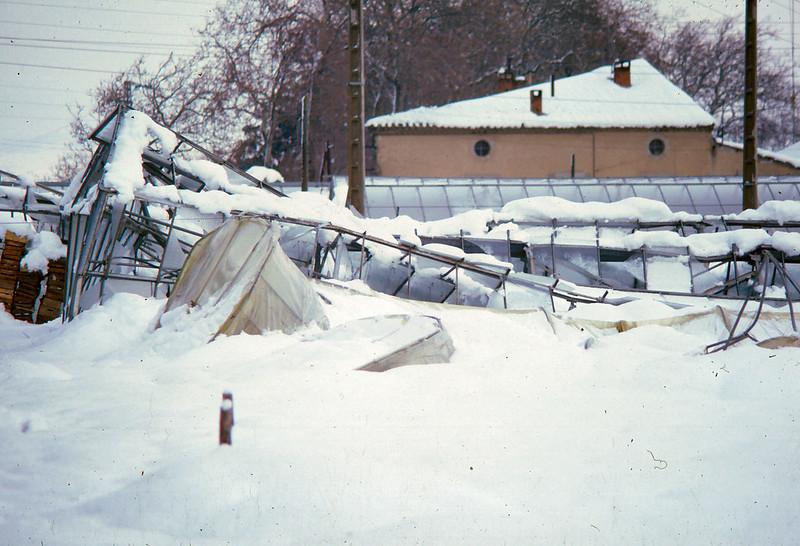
(20, 289)
(29, 283)
(13, 250)
(50, 306)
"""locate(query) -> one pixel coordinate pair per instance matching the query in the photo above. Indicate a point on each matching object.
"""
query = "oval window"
(482, 148)
(656, 146)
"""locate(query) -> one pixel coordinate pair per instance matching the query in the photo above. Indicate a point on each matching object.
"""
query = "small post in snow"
(226, 419)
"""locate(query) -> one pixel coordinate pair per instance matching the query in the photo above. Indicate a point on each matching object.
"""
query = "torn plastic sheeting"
(410, 340)
(770, 324)
(239, 276)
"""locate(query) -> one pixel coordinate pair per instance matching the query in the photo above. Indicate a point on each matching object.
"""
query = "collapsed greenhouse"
(128, 222)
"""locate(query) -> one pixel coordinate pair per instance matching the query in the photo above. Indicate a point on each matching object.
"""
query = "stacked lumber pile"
(29, 283)
(50, 306)
(13, 251)
(20, 289)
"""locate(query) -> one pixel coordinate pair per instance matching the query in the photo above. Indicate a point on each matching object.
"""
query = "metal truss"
(141, 245)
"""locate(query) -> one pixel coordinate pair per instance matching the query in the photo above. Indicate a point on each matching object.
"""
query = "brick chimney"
(622, 73)
(536, 101)
(507, 79)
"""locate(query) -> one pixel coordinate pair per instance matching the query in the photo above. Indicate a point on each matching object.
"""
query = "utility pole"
(127, 94)
(793, 101)
(355, 108)
(304, 142)
(750, 182)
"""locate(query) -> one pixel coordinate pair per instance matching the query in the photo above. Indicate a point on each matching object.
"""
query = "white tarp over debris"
(238, 277)
(386, 341)
(399, 340)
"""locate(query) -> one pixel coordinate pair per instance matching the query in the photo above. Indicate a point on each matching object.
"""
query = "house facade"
(624, 120)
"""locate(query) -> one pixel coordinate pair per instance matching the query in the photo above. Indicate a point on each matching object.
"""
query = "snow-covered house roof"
(791, 153)
(589, 100)
(789, 156)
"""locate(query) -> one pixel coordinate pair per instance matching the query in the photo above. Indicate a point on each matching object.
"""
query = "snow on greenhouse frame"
(148, 194)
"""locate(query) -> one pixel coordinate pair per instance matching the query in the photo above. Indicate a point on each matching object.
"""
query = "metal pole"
(363, 247)
(304, 144)
(794, 86)
(355, 109)
(750, 182)
(408, 280)
(226, 419)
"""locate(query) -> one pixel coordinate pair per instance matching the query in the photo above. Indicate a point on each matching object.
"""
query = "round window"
(482, 148)
(656, 146)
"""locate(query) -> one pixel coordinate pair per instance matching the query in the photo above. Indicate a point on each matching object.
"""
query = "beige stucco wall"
(729, 161)
(603, 153)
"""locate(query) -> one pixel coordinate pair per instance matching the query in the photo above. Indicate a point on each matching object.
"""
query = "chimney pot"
(622, 73)
(536, 101)
(508, 80)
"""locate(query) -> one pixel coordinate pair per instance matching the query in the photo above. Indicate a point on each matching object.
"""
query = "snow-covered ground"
(537, 431)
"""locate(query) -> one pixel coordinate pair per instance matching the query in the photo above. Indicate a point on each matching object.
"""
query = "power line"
(18, 102)
(106, 10)
(784, 6)
(46, 118)
(113, 30)
(210, 4)
(68, 48)
(72, 68)
(702, 5)
(48, 90)
(94, 42)
(24, 144)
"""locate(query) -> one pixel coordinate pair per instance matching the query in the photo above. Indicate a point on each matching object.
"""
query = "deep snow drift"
(536, 432)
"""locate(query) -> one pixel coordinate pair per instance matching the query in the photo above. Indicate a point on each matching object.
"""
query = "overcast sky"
(54, 53)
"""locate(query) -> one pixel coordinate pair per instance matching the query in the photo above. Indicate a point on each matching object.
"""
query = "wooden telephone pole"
(355, 108)
(750, 182)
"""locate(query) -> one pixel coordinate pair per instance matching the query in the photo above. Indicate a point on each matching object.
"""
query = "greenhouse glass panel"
(776, 191)
(409, 181)
(433, 196)
(381, 212)
(539, 190)
(677, 197)
(437, 213)
(487, 197)
(730, 197)
(570, 193)
(460, 196)
(406, 196)
(709, 210)
(618, 192)
(459, 210)
(648, 191)
(414, 212)
(703, 197)
(512, 193)
(378, 196)
(595, 193)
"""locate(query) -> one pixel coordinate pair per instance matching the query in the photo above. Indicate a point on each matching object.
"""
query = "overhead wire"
(30, 103)
(69, 48)
(88, 29)
(703, 5)
(148, 42)
(46, 89)
(40, 118)
(95, 42)
(70, 68)
(779, 4)
(108, 10)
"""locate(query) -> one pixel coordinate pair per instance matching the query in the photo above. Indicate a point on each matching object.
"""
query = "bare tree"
(241, 93)
(174, 93)
(706, 59)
